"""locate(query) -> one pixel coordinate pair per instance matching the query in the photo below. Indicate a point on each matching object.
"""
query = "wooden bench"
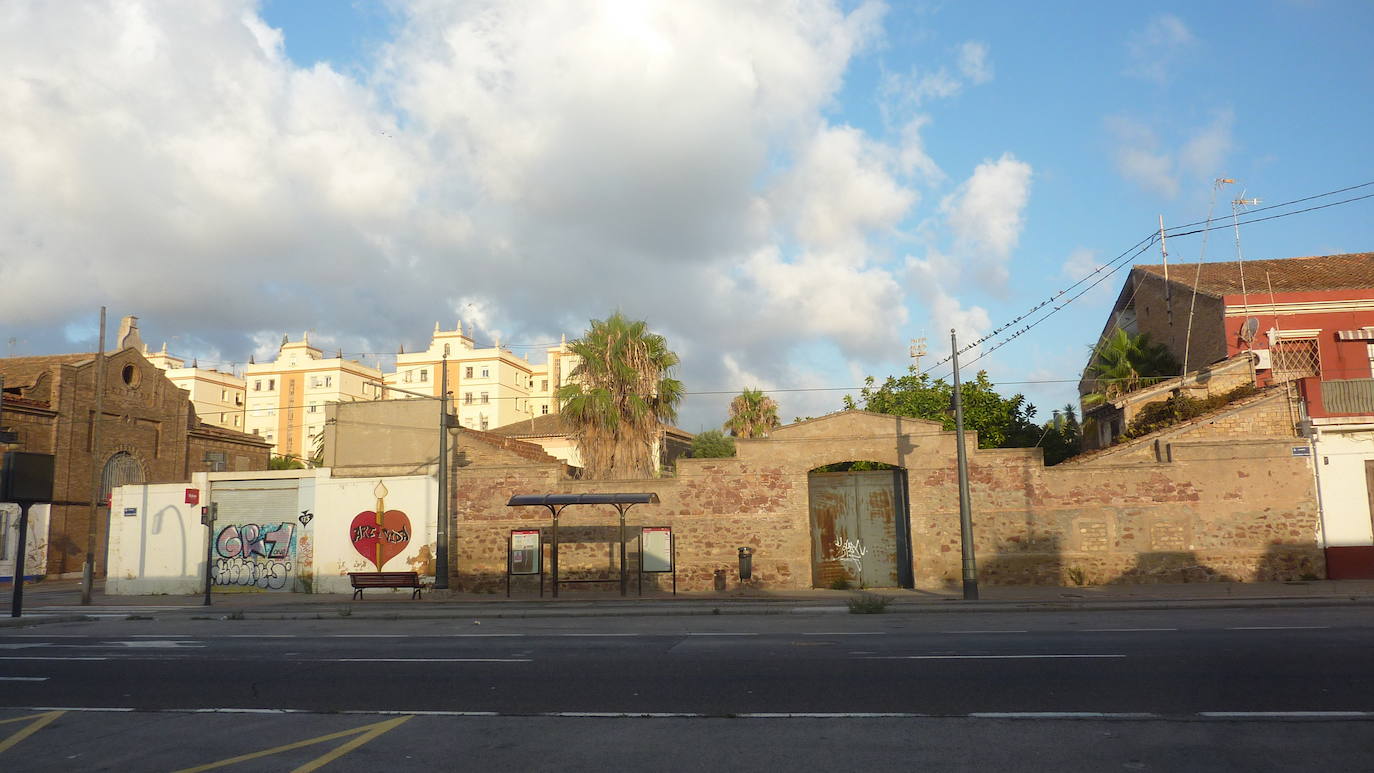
(363, 580)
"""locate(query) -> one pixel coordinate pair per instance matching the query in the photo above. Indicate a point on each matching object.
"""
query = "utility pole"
(92, 533)
(441, 532)
(1168, 288)
(965, 513)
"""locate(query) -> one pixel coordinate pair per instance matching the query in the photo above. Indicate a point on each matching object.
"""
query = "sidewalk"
(60, 600)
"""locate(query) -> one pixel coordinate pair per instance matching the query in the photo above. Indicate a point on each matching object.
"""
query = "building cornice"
(1299, 307)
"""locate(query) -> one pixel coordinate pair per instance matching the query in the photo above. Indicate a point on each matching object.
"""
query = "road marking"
(1293, 714)
(598, 635)
(42, 657)
(831, 715)
(156, 644)
(479, 635)
(39, 722)
(365, 733)
(714, 633)
(1278, 628)
(1061, 715)
(247, 711)
(23, 678)
(1125, 630)
(413, 660)
(845, 633)
(984, 631)
(256, 636)
(982, 657)
(159, 636)
(365, 636)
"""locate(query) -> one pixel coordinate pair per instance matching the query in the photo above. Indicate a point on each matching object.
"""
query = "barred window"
(1295, 358)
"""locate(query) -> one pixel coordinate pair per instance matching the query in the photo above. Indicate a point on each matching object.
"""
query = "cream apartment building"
(491, 386)
(218, 397)
(285, 399)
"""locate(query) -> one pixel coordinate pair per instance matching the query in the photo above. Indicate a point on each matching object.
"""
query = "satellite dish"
(1249, 329)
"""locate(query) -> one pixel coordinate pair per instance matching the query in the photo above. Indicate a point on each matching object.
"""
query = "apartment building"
(285, 399)
(491, 386)
(217, 396)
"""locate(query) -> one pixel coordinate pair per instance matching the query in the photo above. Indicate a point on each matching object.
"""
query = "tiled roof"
(546, 425)
(24, 371)
(1353, 271)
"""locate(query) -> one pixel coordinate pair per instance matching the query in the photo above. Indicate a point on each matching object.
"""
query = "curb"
(776, 608)
(24, 622)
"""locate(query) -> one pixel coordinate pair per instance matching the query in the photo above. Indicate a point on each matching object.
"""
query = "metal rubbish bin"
(746, 563)
(720, 579)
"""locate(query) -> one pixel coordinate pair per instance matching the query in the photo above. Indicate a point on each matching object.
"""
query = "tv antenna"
(917, 351)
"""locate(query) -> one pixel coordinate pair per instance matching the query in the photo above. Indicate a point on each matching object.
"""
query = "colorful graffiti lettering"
(380, 539)
(255, 555)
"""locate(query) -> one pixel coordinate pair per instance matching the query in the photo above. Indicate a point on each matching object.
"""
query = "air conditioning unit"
(1262, 359)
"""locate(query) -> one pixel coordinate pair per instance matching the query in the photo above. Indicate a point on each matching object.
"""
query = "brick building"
(1306, 324)
(148, 432)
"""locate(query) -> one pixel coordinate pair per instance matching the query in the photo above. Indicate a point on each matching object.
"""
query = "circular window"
(130, 375)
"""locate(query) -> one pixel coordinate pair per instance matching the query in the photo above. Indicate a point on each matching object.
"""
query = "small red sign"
(192, 496)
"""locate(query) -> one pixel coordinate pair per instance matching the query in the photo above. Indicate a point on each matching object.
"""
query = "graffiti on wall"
(380, 534)
(254, 555)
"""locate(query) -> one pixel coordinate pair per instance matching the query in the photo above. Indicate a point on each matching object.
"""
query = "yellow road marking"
(368, 732)
(40, 721)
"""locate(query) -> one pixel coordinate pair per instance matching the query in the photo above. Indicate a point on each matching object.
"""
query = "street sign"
(1302, 450)
(192, 496)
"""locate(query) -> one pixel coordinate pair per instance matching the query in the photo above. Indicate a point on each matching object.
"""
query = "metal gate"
(868, 512)
(255, 535)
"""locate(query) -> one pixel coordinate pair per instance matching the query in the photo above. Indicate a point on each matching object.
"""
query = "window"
(543, 410)
(484, 422)
(544, 385)
(312, 408)
(445, 350)
(224, 395)
(424, 376)
(467, 372)
(406, 379)
(485, 399)
(328, 380)
(257, 385)
(467, 398)
(486, 373)
(271, 384)
(255, 431)
(1295, 358)
(236, 421)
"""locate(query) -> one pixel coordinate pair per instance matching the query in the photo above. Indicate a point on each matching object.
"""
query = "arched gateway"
(860, 526)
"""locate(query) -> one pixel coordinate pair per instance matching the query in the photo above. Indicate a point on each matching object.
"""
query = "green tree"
(619, 396)
(752, 414)
(284, 463)
(712, 444)
(1062, 441)
(1001, 422)
(1122, 364)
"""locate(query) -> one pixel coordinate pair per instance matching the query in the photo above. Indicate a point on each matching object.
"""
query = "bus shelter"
(556, 503)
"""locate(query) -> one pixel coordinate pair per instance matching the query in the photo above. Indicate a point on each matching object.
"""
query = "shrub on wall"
(1181, 408)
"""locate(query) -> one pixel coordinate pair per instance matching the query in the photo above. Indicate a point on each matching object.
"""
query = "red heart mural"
(380, 542)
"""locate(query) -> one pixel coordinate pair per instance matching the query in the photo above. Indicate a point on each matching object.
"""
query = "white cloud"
(986, 212)
(1156, 50)
(973, 62)
(1142, 158)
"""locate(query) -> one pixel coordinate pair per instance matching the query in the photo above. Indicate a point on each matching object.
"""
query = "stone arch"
(120, 469)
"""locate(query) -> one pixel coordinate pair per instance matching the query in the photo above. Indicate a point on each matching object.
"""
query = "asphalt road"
(1156, 684)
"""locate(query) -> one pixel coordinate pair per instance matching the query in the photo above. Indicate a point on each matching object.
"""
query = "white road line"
(8, 657)
(1125, 630)
(479, 635)
(982, 657)
(247, 711)
(366, 636)
(1277, 627)
(1060, 715)
(984, 631)
(709, 633)
(43, 636)
(158, 636)
(1295, 714)
(23, 678)
(255, 636)
(831, 715)
(412, 660)
(844, 633)
(597, 635)
(425, 713)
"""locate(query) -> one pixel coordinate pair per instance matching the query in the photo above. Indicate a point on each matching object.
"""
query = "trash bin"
(720, 579)
(746, 563)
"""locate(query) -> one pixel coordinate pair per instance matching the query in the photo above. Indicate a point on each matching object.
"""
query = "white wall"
(161, 547)
(35, 546)
(1340, 458)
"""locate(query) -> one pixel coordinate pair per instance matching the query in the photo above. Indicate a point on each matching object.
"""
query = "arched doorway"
(865, 509)
(120, 469)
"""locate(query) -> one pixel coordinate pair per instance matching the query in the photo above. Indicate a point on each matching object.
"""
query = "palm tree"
(752, 414)
(1124, 361)
(619, 396)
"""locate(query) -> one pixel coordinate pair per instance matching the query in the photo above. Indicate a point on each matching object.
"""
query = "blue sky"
(788, 191)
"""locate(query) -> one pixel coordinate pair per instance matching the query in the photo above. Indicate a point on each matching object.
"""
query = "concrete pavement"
(59, 600)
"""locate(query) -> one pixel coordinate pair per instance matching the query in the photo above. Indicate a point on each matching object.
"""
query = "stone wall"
(1217, 510)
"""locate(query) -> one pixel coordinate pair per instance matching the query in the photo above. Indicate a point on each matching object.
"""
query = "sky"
(789, 192)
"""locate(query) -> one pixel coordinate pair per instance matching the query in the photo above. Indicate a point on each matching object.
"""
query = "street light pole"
(965, 511)
(441, 533)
